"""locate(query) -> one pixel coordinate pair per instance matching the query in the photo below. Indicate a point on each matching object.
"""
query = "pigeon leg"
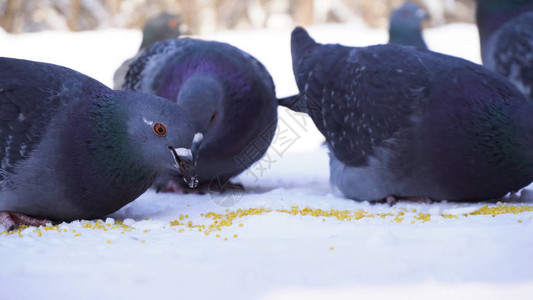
(11, 220)
(392, 200)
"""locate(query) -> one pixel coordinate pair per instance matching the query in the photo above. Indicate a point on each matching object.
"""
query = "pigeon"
(405, 123)
(162, 27)
(229, 95)
(406, 26)
(506, 35)
(71, 148)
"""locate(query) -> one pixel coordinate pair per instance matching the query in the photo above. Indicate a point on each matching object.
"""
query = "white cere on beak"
(421, 14)
(184, 152)
(198, 137)
(148, 122)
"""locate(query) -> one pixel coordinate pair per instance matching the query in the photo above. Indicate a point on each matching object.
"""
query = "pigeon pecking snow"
(71, 148)
(229, 95)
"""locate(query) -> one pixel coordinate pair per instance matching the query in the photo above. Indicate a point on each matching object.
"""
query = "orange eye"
(173, 23)
(160, 129)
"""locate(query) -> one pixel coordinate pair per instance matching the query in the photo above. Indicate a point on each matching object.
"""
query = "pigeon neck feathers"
(407, 36)
(112, 133)
(406, 26)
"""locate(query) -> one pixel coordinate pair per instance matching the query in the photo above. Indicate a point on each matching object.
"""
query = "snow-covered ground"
(289, 235)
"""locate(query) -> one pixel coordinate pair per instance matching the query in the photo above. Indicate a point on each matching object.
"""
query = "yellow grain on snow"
(218, 221)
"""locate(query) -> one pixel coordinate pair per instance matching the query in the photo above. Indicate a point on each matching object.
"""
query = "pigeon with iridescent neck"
(228, 94)
(71, 148)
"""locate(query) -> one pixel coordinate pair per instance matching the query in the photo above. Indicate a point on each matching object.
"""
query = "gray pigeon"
(162, 27)
(506, 35)
(229, 95)
(401, 122)
(71, 148)
(405, 26)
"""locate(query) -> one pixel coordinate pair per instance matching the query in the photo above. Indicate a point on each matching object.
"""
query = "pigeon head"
(162, 27)
(406, 25)
(162, 134)
(491, 14)
(201, 96)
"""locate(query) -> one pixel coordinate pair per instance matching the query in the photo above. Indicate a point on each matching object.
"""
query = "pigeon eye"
(213, 117)
(173, 23)
(160, 129)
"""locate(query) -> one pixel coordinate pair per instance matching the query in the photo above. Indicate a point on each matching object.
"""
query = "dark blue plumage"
(227, 92)
(506, 34)
(405, 122)
(71, 148)
(405, 26)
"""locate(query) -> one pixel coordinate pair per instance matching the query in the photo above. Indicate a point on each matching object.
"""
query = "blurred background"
(206, 16)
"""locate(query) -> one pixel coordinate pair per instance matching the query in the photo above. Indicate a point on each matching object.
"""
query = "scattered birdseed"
(218, 221)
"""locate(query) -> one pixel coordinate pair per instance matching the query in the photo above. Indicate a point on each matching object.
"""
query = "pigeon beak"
(184, 29)
(197, 141)
(185, 164)
(422, 14)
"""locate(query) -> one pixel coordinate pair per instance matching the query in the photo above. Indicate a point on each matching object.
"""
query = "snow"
(298, 238)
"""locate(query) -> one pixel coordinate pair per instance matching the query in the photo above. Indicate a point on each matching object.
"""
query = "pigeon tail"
(294, 103)
(301, 45)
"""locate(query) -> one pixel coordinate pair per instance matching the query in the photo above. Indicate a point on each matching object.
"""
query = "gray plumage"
(412, 123)
(229, 95)
(71, 148)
